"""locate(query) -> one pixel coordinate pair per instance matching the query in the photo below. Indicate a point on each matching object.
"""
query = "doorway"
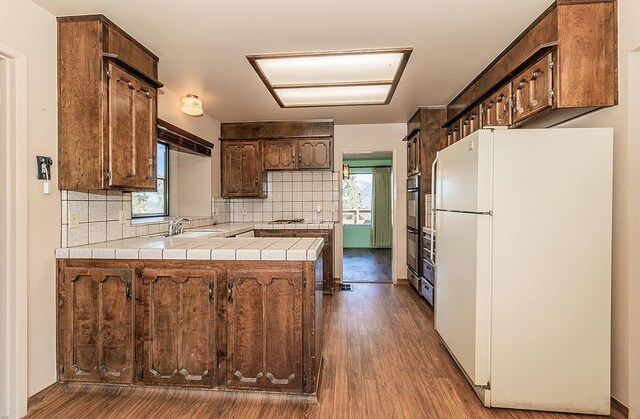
(13, 234)
(367, 210)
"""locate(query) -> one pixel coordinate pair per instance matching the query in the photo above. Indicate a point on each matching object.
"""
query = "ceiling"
(202, 45)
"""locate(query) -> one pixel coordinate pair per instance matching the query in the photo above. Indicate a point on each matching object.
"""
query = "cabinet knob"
(130, 85)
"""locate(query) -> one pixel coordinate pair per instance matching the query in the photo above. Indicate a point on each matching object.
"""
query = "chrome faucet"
(176, 226)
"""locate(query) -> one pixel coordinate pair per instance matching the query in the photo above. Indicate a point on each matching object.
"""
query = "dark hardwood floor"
(366, 265)
(383, 359)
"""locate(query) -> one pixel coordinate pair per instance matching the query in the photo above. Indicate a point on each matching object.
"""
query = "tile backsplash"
(311, 195)
(98, 216)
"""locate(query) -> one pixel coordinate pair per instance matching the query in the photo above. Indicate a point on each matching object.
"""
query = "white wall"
(626, 205)
(378, 137)
(31, 30)
(204, 126)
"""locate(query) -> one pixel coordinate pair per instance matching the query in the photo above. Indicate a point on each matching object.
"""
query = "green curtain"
(381, 210)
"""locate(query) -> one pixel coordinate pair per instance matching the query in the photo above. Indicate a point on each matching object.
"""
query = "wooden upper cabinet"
(132, 131)
(107, 107)
(177, 324)
(96, 325)
(562, 66)
(280, 155)
(241, 173)
(533, 89)
(315, 154)
(265, 307)
(413, 155)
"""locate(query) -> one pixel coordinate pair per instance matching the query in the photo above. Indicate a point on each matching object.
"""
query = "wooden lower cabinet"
(222, 325)
(265, 329)
(327, 251)
(96, 325)
(177, 326)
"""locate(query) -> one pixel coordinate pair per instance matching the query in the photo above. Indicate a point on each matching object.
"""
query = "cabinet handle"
(256, 180)
(211, 292)
(230, 293)
(131, 86)
(127, 290)
(519, 108)
(532, 86)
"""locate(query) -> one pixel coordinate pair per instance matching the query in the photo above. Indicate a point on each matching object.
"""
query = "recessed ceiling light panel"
(339, 95)
(362, 77)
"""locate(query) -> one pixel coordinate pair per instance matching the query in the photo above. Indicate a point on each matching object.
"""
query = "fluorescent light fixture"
(342, 95)
(339, 78)
(331, 68)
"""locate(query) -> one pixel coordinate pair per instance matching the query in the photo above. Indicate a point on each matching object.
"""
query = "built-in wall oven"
(413, 202)
(413, 225)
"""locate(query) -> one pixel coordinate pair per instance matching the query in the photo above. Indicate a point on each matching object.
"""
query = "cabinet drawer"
(533, 89)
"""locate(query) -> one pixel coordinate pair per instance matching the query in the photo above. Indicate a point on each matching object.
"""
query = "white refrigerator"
(523, 295)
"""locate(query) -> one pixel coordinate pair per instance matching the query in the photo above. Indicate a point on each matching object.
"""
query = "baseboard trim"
(402, 281)
(616, 405)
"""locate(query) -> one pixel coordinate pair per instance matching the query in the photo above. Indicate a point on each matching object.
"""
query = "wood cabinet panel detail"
(96, 325)
(280, 155)
(241, 174)
(265, 308)
(178, 326)
(315, 154)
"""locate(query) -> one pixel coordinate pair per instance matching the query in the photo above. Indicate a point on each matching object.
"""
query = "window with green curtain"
(381, 208)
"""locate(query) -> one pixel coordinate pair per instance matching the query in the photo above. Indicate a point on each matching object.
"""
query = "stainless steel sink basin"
(193, 234)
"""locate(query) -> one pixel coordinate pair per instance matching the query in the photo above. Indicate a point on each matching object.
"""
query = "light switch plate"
(122, 218)
(74, 219)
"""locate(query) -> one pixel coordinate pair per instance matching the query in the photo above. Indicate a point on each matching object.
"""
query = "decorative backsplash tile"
(311, 195)
(98, 216)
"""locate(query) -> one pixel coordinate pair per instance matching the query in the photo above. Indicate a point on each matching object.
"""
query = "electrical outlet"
(74, 219)
(122, 218)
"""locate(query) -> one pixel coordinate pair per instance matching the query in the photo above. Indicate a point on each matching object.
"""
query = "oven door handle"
(433, 201)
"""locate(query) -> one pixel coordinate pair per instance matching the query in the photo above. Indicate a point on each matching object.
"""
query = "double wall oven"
(413, 230)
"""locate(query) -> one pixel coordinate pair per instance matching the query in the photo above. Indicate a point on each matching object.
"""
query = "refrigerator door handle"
(433, 199)
(466, 212)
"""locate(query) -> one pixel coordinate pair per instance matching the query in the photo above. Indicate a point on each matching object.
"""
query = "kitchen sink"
(192, 234)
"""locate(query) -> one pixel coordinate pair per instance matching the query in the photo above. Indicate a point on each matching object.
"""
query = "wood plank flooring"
(366, 265)
(383, 359)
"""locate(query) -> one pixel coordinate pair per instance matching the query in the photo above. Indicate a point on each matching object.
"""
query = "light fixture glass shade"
(331, 68)
(326, 96)
(192, 106)
(345, 171)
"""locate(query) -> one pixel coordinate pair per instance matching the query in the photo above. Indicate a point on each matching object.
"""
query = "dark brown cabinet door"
(121, 126)
(145, 145)
(496, 110)
(533, 90)
(177, 326)
(265, 329)
(96, 325)
(280, 155)
(413, 155)
(132, 131)
(241, 169)
(315, 154)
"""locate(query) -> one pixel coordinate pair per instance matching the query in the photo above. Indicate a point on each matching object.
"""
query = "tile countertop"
(215, 246)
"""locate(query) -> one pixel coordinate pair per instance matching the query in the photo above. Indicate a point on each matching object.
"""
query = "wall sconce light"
(345, 171)
(191, 105)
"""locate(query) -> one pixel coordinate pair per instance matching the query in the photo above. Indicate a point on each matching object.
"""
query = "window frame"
(358, 171)
(166, 188)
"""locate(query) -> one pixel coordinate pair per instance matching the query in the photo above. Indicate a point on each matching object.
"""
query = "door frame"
(395, 211)
(13, 233)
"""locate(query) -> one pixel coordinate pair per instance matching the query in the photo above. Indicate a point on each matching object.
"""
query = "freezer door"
(551, 323)
(462, 293)
(463, 179)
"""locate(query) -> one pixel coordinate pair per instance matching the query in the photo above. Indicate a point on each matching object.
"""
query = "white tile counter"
(201, 248)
